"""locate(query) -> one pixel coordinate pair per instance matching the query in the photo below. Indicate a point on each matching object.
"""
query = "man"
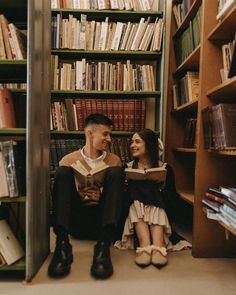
(73, 206)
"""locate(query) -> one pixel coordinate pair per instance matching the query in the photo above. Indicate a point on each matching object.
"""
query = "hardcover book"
(94, 177)
(158, 174)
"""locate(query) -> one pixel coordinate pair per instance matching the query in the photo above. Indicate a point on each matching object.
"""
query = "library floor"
(183, 275)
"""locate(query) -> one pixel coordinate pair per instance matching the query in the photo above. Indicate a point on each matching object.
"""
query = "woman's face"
(137, 146)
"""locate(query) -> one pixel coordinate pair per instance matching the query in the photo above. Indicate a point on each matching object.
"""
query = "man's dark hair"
(97, 119)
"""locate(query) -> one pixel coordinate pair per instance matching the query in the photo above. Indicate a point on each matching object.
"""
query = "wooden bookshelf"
(191, 63)
(224, 90)
(198, 169)
(187, 106)
(187, 196)
(33, 71)
(185, 150)
(222, 32)
(153, 99)
(188, 17)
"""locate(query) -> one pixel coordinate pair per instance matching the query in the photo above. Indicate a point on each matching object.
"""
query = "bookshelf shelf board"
(185, 150)
(13, 131)
(19, 265)
(226, 89)
(189, 16)
(150, 55)
(17, 90)
(224, 153)
(113, 14)
(226, 227)
(223, 33)
(90, 93)
(13, 62)
(187, 196)
(190, 63)
(187, 106)
(21, 199)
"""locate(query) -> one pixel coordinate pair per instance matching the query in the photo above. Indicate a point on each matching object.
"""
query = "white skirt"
(152, 216)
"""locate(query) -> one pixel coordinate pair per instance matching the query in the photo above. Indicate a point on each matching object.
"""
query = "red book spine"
(7, 113)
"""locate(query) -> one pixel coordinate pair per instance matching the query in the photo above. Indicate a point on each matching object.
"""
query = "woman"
(147, 218)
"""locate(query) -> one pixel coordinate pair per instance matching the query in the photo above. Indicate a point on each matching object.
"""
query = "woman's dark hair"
(151, 146)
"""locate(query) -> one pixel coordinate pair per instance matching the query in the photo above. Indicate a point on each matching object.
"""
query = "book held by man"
(158, 174)
(91, 178)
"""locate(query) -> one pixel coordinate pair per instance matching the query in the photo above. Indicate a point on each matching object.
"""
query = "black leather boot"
(61, 260)
(102, 266)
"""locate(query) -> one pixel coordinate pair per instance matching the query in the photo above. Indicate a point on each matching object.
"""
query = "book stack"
(12, 168)
(10, 249)
(186, 89)
(136, 5)
(126, 114)
(12, 41)
(218, 123)
(229, 60)
(222, 204)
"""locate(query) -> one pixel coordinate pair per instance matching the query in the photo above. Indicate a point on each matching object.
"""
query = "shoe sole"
(142, 265)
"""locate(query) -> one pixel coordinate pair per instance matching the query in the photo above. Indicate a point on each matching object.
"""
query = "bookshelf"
(153, 98)
(34, 71)
(197, 169)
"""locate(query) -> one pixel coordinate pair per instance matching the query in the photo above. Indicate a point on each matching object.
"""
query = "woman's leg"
(143, 252)
(157, 234)
(159, 254)
(143, 233)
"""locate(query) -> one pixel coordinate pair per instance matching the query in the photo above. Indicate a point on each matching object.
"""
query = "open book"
(158, 174)
(94, 177)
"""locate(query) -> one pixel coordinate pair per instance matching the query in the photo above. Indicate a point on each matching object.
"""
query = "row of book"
(83, 75)
(12, 168)
(136, 5)
(229, 60)
(186, 89)
(218, 125)
(189, 39)
(180, 10)
(72, 33)
(221, 205)
(126, 114)
(13, 85)
(10, 248)
(12, 41)
(190, 133)
(61, 147)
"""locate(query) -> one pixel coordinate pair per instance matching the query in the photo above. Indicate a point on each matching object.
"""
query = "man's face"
(101, 137)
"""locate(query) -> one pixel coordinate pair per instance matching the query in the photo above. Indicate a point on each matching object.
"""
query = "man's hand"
(90, 194)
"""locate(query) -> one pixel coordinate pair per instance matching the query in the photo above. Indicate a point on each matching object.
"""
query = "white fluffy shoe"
(143, 256)
(159, 256)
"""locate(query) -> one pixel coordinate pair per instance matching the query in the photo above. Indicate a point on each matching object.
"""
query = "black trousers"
(81, 221)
